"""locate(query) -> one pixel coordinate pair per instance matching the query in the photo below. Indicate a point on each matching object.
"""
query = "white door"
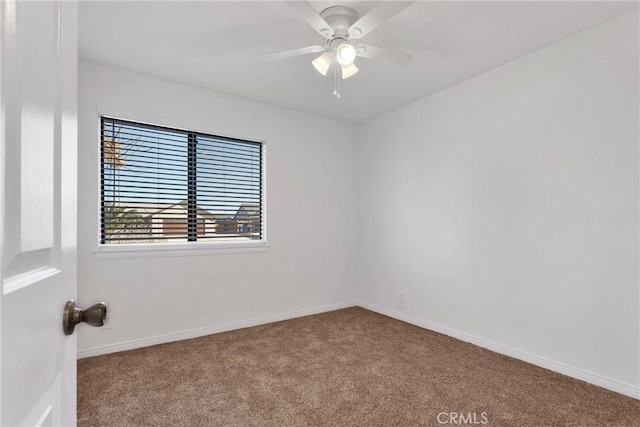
(38, 132)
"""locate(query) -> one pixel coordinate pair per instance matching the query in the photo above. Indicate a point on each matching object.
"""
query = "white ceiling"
(216, 45)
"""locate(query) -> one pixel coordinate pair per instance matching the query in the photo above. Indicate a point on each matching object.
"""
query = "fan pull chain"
(336, 82)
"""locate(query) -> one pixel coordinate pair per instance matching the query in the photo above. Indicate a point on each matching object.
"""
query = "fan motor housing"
(340, 18)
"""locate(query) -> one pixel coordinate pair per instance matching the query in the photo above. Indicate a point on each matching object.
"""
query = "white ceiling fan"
(341, 26)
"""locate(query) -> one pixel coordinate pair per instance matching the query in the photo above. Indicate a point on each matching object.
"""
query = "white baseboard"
(590, 377)
(194, 333)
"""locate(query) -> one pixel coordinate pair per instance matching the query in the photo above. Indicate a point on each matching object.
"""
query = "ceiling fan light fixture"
(322, 63)
(349, 70)
(345, 54)
(340, 26)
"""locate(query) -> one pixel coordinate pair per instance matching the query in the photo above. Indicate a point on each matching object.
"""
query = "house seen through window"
(167, 185)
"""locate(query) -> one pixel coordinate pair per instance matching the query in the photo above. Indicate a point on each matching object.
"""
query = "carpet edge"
(209, 330)
(561, 368)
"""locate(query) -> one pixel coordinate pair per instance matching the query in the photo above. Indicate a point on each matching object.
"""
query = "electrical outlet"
(401, 297)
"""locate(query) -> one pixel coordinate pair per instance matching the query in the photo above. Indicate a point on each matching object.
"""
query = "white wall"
(506, 208)
(310, 219)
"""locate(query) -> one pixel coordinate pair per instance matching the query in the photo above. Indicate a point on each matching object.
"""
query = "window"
(168, 185)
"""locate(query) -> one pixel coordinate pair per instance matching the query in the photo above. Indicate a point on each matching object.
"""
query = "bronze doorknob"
(94, 316)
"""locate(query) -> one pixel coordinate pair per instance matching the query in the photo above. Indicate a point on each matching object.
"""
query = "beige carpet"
(349, 367)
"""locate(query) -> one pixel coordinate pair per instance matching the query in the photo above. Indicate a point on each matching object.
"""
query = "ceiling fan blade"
(313, 18)
(379, 14)
(292, 52)
(382, 54)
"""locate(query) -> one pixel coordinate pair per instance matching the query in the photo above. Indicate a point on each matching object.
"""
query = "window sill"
(158, 250)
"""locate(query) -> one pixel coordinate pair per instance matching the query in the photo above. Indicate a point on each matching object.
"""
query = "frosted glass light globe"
(345, 54)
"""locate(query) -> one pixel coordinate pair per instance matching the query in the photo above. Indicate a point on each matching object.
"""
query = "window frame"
(175, 249)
